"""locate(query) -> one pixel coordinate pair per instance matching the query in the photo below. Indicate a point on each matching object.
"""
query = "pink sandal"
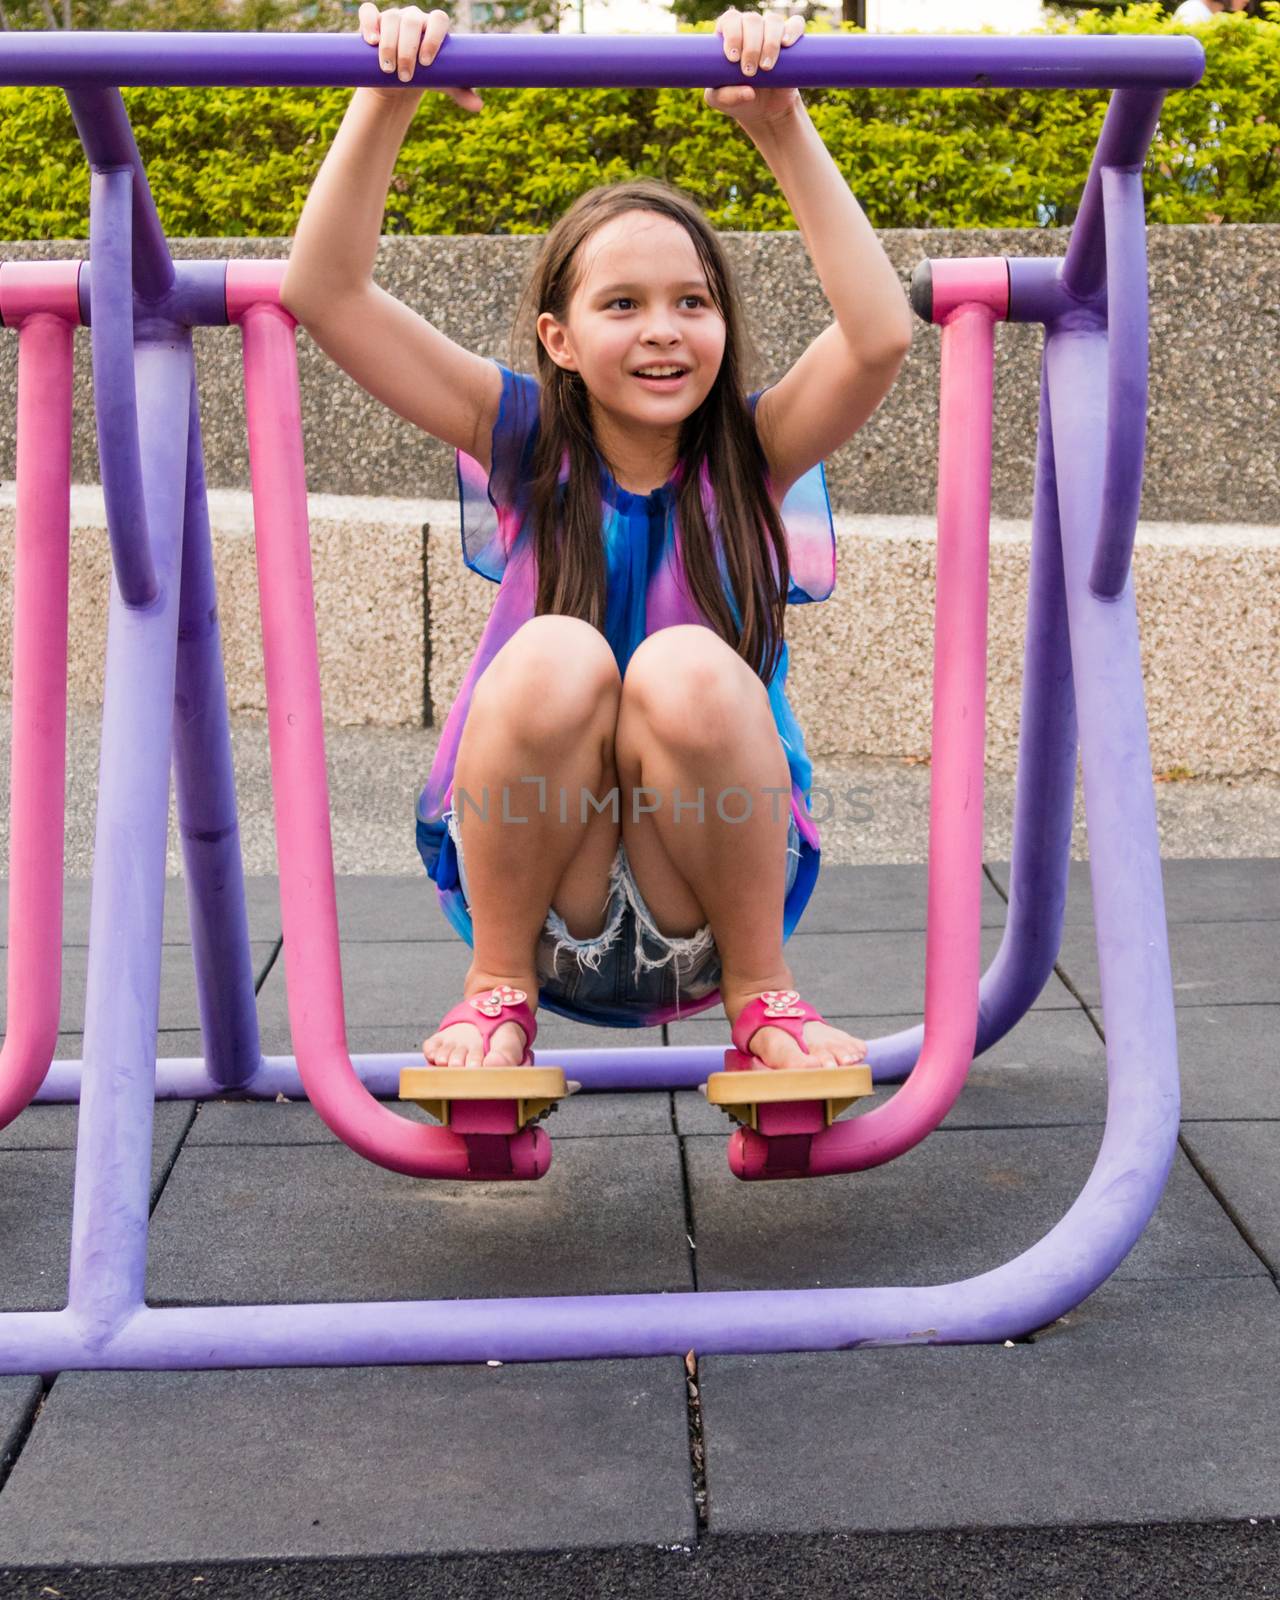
(775, 1008)
(496, 1130)
(785, 1107)
(488, 1010)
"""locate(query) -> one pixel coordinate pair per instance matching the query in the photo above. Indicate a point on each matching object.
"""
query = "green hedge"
(240, 161)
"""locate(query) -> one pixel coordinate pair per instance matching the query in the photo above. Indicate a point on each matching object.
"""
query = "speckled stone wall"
(368, 559)
(1214, 437)
(861, 674)
(398, 615)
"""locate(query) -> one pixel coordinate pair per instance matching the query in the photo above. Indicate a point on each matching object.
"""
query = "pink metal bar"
(41, 300)
(969, 297)
(308, 905)
(969, 280)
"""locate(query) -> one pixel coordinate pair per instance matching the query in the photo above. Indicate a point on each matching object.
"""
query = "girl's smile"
(641, 302)
(662, 385)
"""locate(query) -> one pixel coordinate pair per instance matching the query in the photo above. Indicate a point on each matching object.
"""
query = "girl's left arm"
(838, 382)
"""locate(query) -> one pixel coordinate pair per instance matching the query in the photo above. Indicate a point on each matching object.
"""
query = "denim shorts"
(630, 974)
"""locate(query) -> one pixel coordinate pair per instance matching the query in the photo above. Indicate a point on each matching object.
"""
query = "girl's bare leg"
(545, 708)
(696, 720)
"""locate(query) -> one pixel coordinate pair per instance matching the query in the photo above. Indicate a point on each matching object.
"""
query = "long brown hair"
(719, 435)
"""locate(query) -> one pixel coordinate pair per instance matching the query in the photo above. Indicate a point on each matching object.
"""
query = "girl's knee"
(688, 666)
(556, 665)
(555, 638)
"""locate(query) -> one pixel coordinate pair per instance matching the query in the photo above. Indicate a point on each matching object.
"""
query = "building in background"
(937, 16)
(883, 16)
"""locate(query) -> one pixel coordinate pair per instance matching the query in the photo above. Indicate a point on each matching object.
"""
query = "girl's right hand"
(406, 37)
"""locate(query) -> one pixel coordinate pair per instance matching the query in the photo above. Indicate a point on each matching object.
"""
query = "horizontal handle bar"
(604, 61)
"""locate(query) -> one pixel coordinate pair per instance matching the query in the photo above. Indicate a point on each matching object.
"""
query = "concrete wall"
(398, 616)
(1214, 440)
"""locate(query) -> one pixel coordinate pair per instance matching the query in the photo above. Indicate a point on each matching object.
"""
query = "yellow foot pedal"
(486, 1100)
(789, 1101)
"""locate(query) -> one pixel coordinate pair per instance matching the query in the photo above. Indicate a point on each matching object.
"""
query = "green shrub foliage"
(225, 162)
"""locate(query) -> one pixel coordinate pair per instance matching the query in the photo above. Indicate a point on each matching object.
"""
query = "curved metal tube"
(1127, 361)
(115, 394)
(1127, 131)
(205, 790)
(1026, 1293)
(103, 126)
(954, 929)
(308, 903)
(41, 299)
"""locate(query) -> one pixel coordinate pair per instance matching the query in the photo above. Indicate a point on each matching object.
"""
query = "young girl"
(616, 819)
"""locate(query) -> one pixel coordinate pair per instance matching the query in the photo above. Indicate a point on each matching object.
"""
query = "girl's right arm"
(391, 351)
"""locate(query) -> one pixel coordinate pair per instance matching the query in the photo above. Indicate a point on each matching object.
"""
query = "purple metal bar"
(206, 793)
(115, 398)
(103, 126)
(1024, 1294)
(1015, 978)
(1127, 131)
(603, 61)
(197, 298)
(106, 1323)
(1127, 357)
(1037, 293)
(122, 999)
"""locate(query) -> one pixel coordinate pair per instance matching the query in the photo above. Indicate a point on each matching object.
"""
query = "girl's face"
(642, 301)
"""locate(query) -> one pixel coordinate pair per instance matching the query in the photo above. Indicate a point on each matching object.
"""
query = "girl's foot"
(459, 1044)
(827, 1046)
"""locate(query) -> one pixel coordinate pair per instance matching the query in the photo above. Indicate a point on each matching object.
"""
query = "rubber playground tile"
(882, 974)
(19, 1396)
(959, 1204)
(244, 1225)
(239, 1122)
(1213, 963)
(1242, 1162)
(280, 1463)
(1050, 1071)
(51, 1125)
(36, 1188)
(55, 1127)
(178, 1004)
(262, 906)
(612, 1115)
(566, 1033)
(275, 1037)
(386, 907)
(555, 1033)
(1196, 889)
(374, 906)
(35, 1214)
(1151, 1403)
(414, 984)
(880, 898)
(268, 1123)
(1229, 1061)
(42, 1127)
(407, 984)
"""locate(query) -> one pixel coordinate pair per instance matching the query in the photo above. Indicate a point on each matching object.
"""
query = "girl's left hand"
(756, 41)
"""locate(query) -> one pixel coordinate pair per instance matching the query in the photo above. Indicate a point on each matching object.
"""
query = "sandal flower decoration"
(492, 1003)
(781, 1003)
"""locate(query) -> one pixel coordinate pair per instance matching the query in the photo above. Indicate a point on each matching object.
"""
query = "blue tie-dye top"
(644, 592)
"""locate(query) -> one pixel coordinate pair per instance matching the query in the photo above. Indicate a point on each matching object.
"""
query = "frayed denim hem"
(688, 952)
(674, 947)
(589, 953)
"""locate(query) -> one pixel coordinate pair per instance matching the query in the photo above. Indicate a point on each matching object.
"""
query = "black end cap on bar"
(922, 291)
